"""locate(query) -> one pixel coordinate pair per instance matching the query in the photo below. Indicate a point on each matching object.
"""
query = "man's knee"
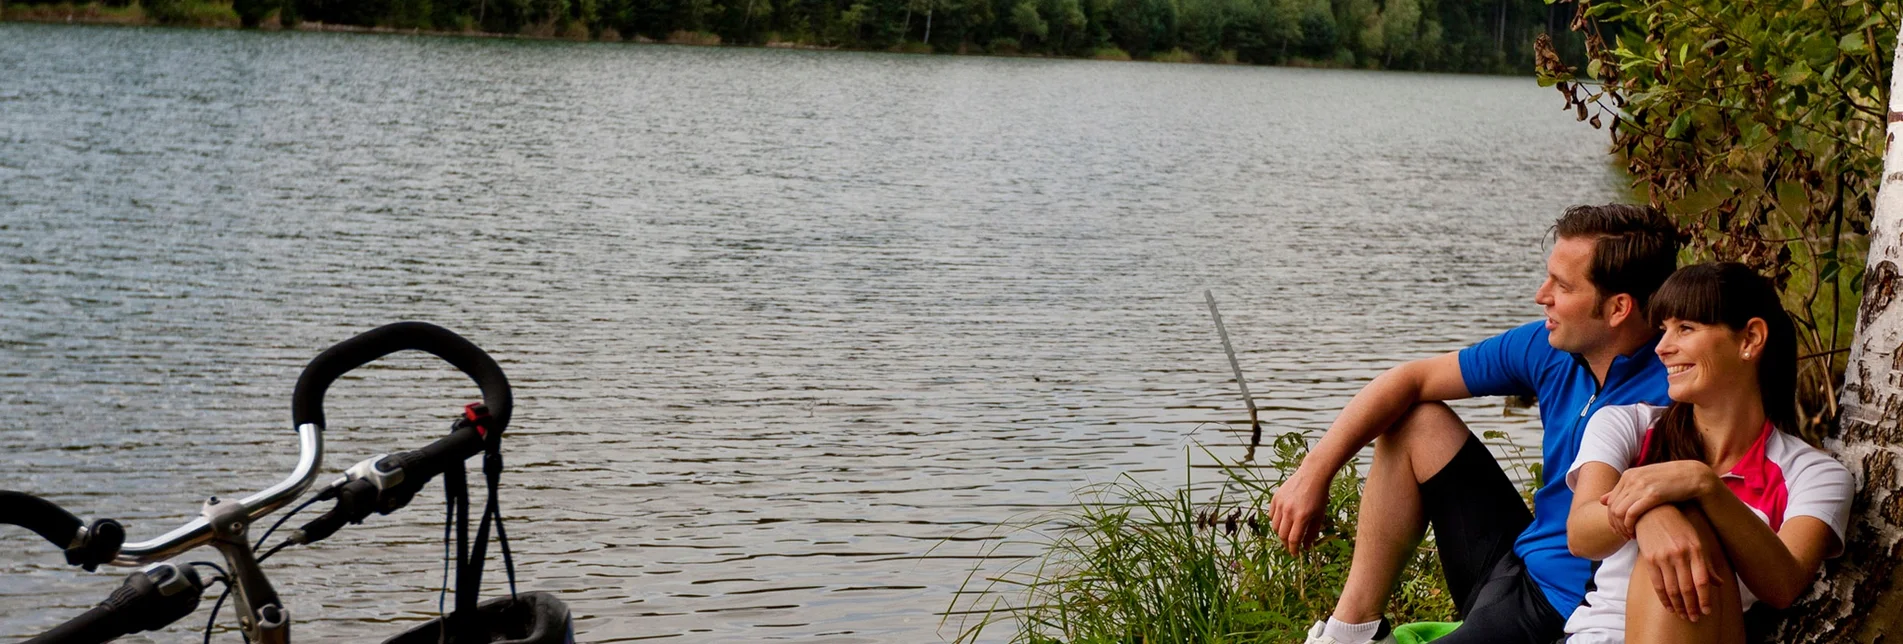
(1430, 434)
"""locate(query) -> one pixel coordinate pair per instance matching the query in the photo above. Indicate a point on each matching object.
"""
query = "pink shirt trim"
(1756, 480)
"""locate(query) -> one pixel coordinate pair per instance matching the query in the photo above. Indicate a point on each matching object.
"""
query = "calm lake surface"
(790, 331)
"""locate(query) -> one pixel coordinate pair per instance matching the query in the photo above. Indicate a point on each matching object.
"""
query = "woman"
(1710, 505)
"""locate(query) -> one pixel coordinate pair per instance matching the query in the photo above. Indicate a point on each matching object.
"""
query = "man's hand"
(1684, 574)
(1643, 488)
(1296, 511)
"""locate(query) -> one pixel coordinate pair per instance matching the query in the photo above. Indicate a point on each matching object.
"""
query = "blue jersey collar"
(1624, 365)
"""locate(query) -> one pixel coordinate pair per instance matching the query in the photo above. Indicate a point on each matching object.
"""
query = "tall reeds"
(1137, 563)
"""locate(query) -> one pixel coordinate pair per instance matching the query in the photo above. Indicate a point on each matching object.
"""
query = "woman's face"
(1704, 362)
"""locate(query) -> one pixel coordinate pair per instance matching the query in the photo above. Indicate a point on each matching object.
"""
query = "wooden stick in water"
(1255, 424)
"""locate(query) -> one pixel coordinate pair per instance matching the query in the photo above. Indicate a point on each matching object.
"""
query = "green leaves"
(1758, 126)
(1796, 74)
(1851, 43)
(1679, 126)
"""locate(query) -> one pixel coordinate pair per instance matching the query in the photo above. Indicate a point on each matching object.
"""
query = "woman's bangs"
(1692, 294)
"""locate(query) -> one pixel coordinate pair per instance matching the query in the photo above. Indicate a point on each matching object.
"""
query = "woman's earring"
(1747, 355)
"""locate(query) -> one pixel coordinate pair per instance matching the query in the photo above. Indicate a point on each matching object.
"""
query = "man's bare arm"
(1295, 511)
(1380, 404)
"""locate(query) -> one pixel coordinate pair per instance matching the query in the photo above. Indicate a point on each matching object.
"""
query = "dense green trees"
(1447, 35)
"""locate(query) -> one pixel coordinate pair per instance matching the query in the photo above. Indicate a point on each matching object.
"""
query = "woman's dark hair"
(1730, 294)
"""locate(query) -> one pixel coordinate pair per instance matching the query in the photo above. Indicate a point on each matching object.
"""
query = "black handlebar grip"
(421, 465)
(43, 517)
(430, 460)
(96, 625)
(150, 600)
(307, 400)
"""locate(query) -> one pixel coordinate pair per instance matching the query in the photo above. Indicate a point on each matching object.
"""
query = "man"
(1511, 575)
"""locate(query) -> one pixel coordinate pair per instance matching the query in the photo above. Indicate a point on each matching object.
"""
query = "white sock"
(1350, 633)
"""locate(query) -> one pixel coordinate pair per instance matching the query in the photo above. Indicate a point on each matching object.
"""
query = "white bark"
(1860, 598)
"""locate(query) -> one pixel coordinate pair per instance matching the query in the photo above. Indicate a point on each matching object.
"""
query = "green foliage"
(116, 13)
(1320, 35)
(1400, 30)
(1132, 563)
(191, 12)
(164, 11)
(1030, 25)
(1448, 35)
(252, 12)
(1760, 127)
(403, 14)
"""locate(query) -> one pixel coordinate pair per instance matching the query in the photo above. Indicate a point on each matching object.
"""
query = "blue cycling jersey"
(1521, 362)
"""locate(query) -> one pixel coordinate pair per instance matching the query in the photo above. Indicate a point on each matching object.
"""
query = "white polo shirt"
(1779, 477)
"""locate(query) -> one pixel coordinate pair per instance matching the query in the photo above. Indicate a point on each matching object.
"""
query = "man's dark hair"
(1634, 247)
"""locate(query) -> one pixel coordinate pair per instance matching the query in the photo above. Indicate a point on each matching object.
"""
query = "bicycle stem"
(260, 613)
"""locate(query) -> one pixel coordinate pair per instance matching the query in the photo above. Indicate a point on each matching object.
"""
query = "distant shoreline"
(213, 15)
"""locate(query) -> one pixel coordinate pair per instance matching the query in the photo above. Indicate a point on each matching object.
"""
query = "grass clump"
(1110, 53)
(1177, 55)
(1135, 563)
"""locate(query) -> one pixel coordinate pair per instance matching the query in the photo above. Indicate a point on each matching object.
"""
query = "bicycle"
(163, 592)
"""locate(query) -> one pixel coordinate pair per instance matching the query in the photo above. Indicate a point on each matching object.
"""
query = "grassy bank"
(1136, 563)
(194, 13)
(89, 13)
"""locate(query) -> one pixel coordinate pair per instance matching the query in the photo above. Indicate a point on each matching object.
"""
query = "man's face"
(1574, 322)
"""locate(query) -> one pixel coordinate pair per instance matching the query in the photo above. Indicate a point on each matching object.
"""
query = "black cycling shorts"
(1477, 513)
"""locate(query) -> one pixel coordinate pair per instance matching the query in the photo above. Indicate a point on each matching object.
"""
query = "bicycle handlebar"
(307, 415)
(85, 547)
(385, 483)
(43, 517)
(307, 401)
(197, 532)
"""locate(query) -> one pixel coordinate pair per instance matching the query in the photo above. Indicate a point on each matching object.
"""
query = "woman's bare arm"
(1588, 534)
(1777, 566)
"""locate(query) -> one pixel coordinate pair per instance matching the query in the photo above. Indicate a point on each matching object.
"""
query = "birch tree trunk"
(1860, 596)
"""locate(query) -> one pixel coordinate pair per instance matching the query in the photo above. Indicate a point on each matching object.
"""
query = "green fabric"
(1423, 632)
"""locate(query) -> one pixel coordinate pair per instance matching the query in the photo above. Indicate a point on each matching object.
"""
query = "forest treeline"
(1493, 36)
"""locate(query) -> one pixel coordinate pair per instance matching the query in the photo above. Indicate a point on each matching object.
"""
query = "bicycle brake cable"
(280, 522)
(213, 619)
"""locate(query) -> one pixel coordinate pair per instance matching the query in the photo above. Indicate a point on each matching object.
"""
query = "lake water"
(790, 331)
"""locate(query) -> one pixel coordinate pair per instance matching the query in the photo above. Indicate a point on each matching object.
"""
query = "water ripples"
(791, 331)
